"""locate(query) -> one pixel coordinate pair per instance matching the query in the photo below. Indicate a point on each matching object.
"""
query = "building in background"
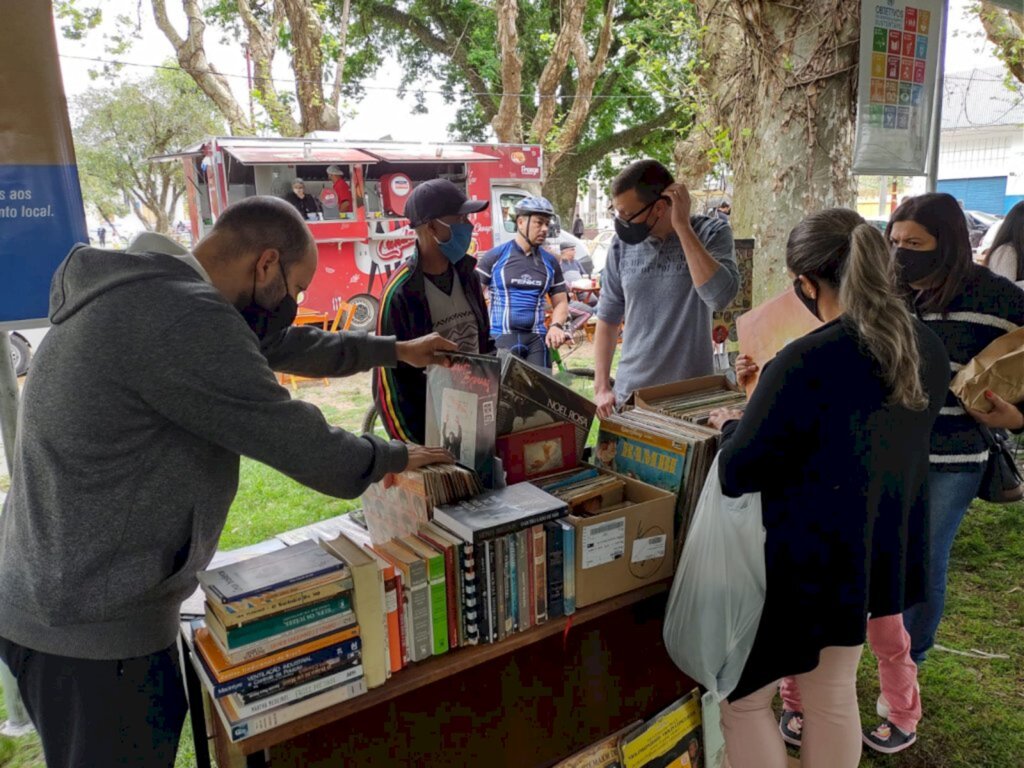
(981, 162)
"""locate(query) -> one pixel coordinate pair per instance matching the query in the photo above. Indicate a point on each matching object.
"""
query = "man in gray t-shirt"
(667, 272)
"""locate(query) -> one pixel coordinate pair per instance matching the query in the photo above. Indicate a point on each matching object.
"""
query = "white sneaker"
(882, 706)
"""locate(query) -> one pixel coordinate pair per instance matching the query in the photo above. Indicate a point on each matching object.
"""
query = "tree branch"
(339, 73)
(192, 58)
(383, 11)
(547, 85)
(508, 123)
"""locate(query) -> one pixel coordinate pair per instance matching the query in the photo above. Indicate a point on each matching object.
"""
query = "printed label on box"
(651, 548)
(604, 542)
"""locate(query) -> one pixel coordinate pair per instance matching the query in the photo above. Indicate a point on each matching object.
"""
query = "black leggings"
(528, 346)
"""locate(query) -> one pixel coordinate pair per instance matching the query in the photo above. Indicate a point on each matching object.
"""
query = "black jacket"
(843, 483)
(401, 393)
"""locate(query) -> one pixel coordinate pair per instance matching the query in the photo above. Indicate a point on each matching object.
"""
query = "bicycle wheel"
(370, 420)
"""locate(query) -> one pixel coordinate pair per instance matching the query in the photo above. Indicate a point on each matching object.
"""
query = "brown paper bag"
(998, 367)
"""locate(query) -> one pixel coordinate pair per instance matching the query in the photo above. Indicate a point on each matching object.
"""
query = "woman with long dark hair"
(1006, 256)
(835, 439)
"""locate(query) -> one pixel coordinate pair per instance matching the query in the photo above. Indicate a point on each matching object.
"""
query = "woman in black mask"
(968, 307)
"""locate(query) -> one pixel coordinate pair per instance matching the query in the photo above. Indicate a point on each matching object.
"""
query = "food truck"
(358, 249)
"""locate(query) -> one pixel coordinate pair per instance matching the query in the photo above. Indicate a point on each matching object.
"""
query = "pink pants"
(897, 674)
(831, 734)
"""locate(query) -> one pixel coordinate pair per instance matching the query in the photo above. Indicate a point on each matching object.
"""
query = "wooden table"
(531, 700)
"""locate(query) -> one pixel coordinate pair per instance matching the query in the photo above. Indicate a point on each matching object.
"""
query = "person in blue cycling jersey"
(520, 275)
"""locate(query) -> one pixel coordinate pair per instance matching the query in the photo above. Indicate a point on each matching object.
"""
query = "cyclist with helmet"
(520, 274)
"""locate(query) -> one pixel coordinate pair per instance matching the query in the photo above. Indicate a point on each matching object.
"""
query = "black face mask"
(811, 304)
(268, 322)
(635, 232)
(915, 266)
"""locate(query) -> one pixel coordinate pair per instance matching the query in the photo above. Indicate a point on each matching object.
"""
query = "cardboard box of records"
(623, 529)
(663, 439)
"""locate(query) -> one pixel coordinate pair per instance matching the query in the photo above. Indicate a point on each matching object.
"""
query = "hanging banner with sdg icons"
(41, 213)
(899, 54)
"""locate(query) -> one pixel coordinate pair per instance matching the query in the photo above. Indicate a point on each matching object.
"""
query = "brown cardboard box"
(607, 544)
(641, 398)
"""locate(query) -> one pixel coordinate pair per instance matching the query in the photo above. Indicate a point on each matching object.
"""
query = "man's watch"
(560, 326)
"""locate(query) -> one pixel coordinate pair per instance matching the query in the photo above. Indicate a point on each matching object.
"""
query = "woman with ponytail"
(835, 439)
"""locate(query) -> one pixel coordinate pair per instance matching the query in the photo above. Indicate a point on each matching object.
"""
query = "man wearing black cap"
(436, 289)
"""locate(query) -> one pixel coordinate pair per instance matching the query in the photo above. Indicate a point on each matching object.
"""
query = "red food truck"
(358, 249)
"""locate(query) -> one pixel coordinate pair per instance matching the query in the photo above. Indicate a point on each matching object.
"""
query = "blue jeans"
(949, 496)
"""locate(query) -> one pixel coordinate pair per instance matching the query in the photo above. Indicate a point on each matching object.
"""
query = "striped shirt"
(988, 307)
(519, 282)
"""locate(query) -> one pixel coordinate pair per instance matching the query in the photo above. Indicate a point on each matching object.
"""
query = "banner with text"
(41, 212)
(899, 55)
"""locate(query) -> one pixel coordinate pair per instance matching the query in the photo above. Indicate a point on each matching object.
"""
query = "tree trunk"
(547, 85)
(561, 187)
(508, 123)
(339, 72)
(192, 58)
(783, 83)
(1005, 29)
(263, 39)
(308, 65)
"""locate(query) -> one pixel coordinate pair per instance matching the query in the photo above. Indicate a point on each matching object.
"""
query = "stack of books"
(279, 639)
(518, 554)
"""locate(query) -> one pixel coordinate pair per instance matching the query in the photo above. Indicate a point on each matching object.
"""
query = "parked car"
(599, 249)
(978, 223)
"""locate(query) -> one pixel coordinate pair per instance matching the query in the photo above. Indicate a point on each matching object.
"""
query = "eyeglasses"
(629, 219)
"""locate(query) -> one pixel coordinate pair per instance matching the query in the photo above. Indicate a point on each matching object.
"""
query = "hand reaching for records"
(718, 417)
(421, 352)
(420, 456)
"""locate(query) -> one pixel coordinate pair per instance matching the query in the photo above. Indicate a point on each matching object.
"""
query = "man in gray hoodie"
(158, 373)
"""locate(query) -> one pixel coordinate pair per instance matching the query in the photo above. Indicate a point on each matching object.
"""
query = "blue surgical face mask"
(456, 246)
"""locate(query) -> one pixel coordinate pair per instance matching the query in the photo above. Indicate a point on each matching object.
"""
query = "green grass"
(973, 708)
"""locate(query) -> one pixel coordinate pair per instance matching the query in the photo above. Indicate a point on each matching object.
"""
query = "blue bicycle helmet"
(534, 206)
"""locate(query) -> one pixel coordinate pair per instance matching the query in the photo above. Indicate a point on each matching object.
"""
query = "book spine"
(244, 728)
(554, 542)
(243, 612)
(500, 580)
(438, 604)
(274, 675)
(511, 597)
(279, 642)
(452, 577)
(471, 608)
(276, 625)
(458, 586)
(482, 563)
(515, 525)
(246, 707)
(405, 617)
(394, 625)
(540, 574)
(524, 573)
(422, 626)
(569, 569)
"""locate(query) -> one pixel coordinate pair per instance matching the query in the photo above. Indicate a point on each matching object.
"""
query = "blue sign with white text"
(41, 218)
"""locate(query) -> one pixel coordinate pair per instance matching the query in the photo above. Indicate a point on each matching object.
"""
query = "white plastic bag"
(718, 592)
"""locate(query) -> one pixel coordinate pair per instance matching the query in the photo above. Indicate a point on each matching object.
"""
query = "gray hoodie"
(140, 400)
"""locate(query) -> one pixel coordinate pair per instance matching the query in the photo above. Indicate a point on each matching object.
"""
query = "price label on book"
(604, 542)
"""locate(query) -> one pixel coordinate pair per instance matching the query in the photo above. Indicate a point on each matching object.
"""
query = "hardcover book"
(494, 513)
